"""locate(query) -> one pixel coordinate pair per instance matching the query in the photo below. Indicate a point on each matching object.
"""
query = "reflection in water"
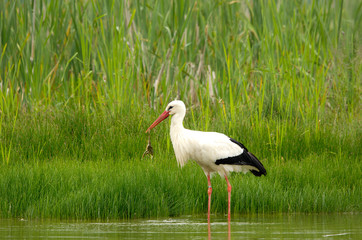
(209, 228)
(327, 226)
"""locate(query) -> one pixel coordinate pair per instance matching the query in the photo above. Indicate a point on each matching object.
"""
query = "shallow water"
(299, 226)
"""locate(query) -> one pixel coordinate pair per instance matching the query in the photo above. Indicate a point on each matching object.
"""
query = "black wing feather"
(246, 158)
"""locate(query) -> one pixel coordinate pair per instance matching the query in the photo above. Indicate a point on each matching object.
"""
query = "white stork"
(214, 152)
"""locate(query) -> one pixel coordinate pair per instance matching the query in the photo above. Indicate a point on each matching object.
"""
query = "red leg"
(209, 191)
(229, 196)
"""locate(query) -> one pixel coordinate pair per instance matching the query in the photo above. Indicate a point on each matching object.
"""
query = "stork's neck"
(178, 136)
(176, 124)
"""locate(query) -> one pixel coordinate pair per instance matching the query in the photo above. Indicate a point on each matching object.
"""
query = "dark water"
(321, 226)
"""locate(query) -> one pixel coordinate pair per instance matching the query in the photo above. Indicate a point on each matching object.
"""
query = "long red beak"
(162, 117)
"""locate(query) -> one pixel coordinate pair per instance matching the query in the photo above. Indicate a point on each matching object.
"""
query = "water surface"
(296, 226)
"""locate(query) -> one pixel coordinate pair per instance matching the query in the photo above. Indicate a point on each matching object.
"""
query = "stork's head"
(175, 107)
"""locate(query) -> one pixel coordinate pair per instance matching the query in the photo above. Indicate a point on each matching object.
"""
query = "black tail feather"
(258, 165)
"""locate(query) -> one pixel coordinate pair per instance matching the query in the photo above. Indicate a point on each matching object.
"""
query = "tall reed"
(284, 59)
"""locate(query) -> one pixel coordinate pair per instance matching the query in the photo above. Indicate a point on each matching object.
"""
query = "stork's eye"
(169, 108)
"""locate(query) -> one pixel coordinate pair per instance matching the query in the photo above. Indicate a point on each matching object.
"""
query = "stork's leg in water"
(209, 191)
(229, 196)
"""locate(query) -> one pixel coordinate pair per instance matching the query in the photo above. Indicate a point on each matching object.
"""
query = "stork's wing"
(245, 158)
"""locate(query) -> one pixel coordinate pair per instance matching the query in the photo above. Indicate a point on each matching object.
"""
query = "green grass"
(108, 189)
(77, 166)
(78, 91)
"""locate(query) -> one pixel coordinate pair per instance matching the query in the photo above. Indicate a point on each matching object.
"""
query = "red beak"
(162, 117)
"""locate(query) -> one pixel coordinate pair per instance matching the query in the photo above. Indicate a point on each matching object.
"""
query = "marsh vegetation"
(80, 81)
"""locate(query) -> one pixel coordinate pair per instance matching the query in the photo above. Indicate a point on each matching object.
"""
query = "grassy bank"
(142, 188)
(76, 166)
(81, 81)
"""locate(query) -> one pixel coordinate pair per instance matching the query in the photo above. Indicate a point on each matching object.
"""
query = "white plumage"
(205, 148)
(214, 152)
